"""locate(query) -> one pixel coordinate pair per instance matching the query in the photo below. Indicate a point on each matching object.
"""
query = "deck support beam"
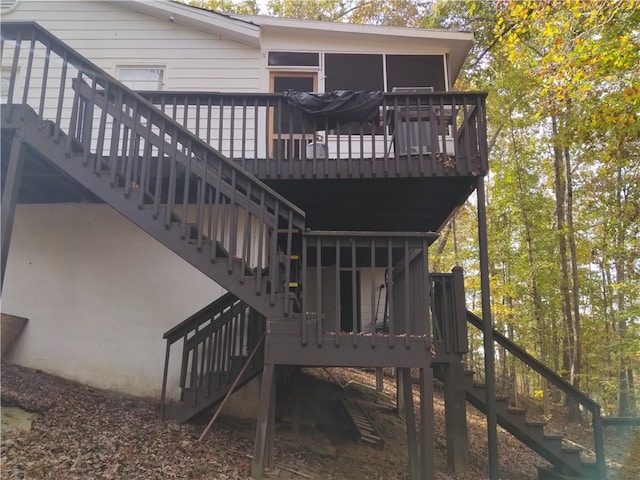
(487, 334)
(10, 197)
(400, 393)
(263, 455)
(455, 413)
(427, 454)
(410, 420)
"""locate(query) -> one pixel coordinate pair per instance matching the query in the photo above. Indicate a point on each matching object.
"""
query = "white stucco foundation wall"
(99, 294)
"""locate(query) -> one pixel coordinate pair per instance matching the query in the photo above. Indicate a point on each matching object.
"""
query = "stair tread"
(517, 410)
(535, 423)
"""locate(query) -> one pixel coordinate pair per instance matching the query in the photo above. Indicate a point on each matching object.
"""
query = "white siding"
(99, 294)
(111, 35)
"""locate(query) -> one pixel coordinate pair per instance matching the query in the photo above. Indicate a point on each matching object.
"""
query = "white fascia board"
(236, 29)
(454, 43)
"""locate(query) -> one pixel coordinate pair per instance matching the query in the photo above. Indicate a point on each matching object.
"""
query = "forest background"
(564, 190)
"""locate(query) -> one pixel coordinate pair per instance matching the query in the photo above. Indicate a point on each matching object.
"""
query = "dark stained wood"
(12, 327)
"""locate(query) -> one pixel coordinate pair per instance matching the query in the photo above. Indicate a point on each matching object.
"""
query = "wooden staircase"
(146, 166)
(216, 345)
(567, 459)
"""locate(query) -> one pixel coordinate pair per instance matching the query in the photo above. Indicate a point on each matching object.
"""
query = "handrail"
(192, 97)
(200, 317)
(14, 29)
(436, 133)
(152, 158)
(560, 383)
(211, 338)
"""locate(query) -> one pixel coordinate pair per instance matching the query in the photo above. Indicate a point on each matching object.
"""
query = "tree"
(240, 7)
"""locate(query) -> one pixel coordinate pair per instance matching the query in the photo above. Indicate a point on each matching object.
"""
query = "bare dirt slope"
(83, 433)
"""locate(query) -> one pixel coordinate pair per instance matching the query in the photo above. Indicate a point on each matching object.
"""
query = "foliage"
(240, 7)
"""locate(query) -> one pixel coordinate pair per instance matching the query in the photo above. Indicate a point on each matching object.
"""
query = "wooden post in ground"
(379, 379)
(263, 427)
(271, 423)
(399, 393)
(427, 453)
(410, 420)
(455, 414)
(10, 197)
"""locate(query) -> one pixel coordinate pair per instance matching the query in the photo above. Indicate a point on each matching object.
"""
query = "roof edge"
(232, 28)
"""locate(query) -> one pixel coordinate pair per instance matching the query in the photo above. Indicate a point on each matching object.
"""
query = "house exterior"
(164, 174)
(189, 50)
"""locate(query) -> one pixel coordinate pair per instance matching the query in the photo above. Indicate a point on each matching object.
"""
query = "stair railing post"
(163, 395)
(10, 197)
(598, 442)
(487, 331)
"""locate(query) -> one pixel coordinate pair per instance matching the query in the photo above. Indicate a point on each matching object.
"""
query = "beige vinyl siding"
(111, 35)
(347, 43)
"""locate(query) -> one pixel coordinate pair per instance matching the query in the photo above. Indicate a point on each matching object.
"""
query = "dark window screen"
(294, 59)
(415, 71)
(353, 72)
(291, 121)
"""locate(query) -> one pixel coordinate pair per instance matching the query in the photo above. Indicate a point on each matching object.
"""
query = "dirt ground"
(79, 432)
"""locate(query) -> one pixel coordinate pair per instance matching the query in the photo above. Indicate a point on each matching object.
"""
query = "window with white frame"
(142, 78)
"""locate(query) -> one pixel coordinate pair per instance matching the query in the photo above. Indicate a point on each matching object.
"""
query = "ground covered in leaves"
(82, 433)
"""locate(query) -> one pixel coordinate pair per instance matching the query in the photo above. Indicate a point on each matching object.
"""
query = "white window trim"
(143, 66)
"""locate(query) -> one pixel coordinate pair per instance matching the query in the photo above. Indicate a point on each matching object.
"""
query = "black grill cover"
(337, 107)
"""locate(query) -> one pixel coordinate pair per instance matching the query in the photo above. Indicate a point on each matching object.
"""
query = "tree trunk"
(621, 278)
(560, 188)
(576, 341)
(535, 292)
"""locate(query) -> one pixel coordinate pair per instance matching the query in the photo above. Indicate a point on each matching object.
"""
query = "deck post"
(455, 413)
(410, 420)
(271, 424)
(487, 334)
(399, 393)
(427, 454)
(264, 429)
(10, 197)
(379, 379)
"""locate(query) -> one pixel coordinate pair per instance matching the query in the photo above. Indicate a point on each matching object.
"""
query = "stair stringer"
(56, 152)
(514, 421)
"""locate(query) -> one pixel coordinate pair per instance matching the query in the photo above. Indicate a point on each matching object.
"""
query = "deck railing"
(448, 312)
(372, 286)
(190, 187)
(216, 342)
(421, 134)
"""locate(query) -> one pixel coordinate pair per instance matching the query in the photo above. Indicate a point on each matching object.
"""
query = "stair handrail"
(200, 317)
(555, 379)
(199, 159)
(15, 30)
(214, 316)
